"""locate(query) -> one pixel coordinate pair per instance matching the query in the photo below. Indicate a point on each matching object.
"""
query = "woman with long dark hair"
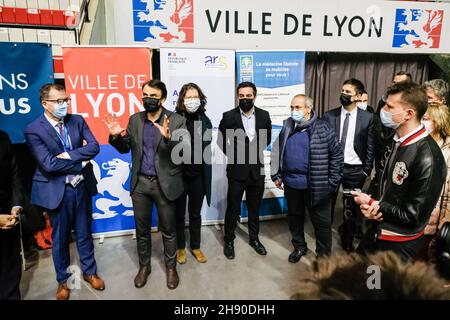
(197, 174)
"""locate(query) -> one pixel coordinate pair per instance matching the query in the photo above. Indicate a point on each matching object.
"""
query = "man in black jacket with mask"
(412, 180)
(355, 130)
(244, 133)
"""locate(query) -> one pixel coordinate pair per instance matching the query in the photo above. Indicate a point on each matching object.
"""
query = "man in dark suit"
(244, 133)
(155, 178)
(11, 202)
(64, 183)
(355, 129)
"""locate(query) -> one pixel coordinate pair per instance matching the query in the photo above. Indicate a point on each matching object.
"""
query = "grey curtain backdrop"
(325, 73)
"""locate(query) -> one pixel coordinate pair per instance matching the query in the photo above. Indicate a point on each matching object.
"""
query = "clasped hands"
(7, 221)
(370, 208)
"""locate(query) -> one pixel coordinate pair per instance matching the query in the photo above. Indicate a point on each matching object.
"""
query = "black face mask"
(345, 99)
(151, 104)
(245, 104)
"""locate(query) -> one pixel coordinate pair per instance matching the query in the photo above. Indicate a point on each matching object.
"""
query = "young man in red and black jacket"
(412, 179)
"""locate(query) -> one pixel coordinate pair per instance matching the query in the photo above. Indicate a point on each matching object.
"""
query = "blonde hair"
(440, 115)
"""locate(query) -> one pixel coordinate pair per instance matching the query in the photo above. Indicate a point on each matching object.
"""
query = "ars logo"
(417, 28)
(169, 21)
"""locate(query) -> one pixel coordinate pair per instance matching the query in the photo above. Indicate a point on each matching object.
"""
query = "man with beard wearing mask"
(355, 129)
(307, 159)
(244, 133)
(64, 183)
(155, 178)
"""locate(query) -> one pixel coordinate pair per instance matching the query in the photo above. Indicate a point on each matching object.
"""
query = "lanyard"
(65, 140)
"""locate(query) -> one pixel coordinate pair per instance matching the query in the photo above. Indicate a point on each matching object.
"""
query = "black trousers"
(254, 190)
(408, 250)
(297, 202)
(194, 189)
(353, 177)
(147, 192)
(10, 264)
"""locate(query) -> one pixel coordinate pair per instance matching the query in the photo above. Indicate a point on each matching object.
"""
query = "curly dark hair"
(180, 102)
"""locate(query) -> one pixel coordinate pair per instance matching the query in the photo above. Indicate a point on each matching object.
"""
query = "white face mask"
(192, 104)
(428, 124)
(387, 121)
(362, 105)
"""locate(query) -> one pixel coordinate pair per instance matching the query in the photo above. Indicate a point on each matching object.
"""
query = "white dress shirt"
(350, 155)
(249, 123)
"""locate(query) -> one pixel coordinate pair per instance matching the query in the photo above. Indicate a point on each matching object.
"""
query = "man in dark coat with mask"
(307, 160)
(355, 130)
(244, 133)
(155, 178)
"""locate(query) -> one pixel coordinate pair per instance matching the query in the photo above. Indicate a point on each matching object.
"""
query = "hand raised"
(164, 129)
(113, 125)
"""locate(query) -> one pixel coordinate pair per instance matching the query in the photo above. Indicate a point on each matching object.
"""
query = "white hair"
(309, 102)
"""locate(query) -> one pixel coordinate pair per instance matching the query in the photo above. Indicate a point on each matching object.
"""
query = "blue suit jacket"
(50, 177)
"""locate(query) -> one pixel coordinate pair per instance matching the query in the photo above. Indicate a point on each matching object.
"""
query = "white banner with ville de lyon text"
(312, 25)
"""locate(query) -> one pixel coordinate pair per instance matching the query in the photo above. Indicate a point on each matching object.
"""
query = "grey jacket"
(170, 175)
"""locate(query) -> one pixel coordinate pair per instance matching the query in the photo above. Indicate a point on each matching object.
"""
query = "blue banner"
(24, 68)
(271, 69)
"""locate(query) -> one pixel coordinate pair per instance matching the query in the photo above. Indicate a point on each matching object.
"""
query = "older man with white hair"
(308, 160)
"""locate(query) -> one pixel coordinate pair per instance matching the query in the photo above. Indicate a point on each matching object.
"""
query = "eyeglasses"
(60, 101)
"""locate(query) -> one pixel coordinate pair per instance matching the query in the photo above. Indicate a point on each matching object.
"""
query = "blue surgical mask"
(386, 119)
(362, 105)
(297, 116)
(60, 110)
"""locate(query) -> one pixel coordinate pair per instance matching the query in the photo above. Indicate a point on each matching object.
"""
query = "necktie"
(63, 136)
(345, 130)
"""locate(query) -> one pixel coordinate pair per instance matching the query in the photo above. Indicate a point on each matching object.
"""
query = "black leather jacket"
(413, 184)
